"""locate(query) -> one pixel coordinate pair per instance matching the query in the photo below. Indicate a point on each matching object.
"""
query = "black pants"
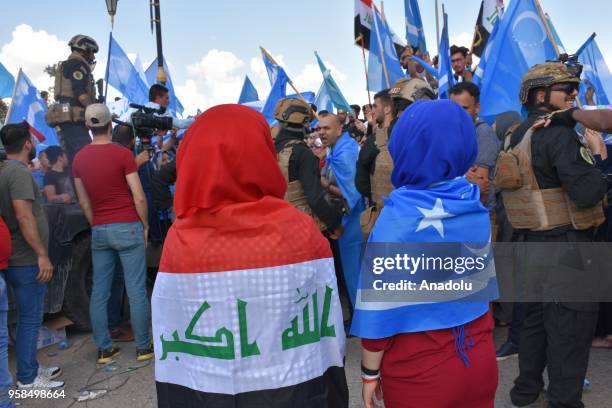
(556, 337)
(74, 136)
(518, 316)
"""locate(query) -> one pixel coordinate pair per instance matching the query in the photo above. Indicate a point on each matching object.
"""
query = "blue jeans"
(30, 298)
(115, 303)
(126, 241)
(6, 381)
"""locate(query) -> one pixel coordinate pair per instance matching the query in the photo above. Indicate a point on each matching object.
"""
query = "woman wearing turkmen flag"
(431, 353)
(245, 306)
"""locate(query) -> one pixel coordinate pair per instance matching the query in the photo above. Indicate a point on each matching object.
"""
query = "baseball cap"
(97, 115)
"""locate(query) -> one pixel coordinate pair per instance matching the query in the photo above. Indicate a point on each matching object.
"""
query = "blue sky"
(211, 45)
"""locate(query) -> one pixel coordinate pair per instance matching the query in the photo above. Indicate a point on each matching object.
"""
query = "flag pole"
(437, 29)
(10, 109)
(365, 67)
(380, 48)
(548, 30)
(110, 41)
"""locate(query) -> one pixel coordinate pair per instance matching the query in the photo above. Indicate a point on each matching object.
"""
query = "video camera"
(572, 64)
(146, 121)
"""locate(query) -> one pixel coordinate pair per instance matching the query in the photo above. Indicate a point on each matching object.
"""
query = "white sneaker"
(49, 372)
(40, 382)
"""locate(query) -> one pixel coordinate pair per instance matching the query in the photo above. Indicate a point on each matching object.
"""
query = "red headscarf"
(229, 200)
(227, 157)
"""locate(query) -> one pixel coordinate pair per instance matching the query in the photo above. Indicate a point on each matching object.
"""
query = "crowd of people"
(296, 202)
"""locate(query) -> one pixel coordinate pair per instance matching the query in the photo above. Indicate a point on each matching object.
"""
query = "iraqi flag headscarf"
(245, 306)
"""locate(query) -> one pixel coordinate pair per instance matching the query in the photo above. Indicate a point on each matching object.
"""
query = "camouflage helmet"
(545, 75)
(293, 112)
(83, 43)
(411, 89)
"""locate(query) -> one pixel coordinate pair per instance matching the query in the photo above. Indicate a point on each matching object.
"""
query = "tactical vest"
(528, 206)
(69, 110)
(383, 167)
(295, 193)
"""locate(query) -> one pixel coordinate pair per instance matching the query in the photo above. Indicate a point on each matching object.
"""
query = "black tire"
(78, 286)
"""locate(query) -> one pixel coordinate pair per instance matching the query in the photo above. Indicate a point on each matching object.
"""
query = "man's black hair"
(356, 110)
(384, 96)
(156, 91)
(313, 107)
(14, 136)
(53, 153)
(468, 87)
(124, 135)
(323, 112)
(98, 131)
(454, 50)
(44, 94)
(399, 106)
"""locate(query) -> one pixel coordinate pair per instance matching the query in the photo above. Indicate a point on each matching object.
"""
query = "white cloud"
(32, 51)
(216, 78)
(310, 78)
(463, 39)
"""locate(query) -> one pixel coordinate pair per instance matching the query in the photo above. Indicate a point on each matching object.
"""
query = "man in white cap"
(110, 193)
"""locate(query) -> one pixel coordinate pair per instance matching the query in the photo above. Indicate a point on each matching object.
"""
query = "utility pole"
(161, 74)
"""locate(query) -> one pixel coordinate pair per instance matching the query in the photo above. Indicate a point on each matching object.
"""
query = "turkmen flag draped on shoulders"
(243, 314)
(448, 212)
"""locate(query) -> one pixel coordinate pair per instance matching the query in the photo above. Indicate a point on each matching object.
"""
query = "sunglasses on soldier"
(568, 87)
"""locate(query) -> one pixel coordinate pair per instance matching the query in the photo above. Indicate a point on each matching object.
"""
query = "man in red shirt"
(110, 193)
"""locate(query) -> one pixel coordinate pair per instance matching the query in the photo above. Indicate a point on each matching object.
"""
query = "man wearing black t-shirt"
(58, 185)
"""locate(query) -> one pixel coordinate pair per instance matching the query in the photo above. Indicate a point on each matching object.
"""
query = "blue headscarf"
(427, 151)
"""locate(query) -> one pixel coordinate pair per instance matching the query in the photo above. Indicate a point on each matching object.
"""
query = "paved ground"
(131, 384)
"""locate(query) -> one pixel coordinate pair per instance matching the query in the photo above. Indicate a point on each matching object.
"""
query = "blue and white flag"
(151, 73)
(271, 68)
(248, 92)
(257, 105)
(341, 162)
(383, 63)
(7, 82)
(333, 90)
(278, 91)
(445, 69)
(521, 42)
(323, 100)
(141, 73)
(27, 105)
(595, 73)
(121, 75)
(441, 221)
(307, 96)
(414, 25)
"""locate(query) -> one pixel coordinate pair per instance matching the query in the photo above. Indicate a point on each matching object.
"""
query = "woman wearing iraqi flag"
(430, 353)
(245, 307)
